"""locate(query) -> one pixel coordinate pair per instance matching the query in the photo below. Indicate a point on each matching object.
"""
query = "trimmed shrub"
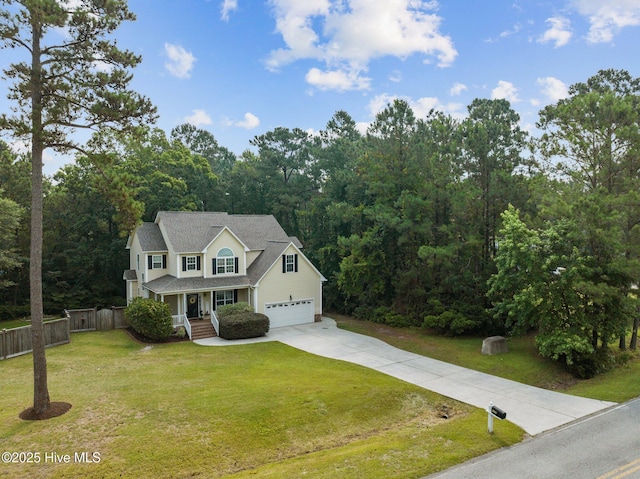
(243, 325)
(150, 318)
(236, 308)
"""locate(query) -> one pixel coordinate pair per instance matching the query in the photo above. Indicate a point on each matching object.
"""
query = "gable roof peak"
(193, 231)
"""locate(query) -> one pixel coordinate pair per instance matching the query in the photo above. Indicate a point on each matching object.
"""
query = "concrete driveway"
(533, 409)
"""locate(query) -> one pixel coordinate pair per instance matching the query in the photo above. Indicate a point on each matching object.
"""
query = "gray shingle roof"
(191, 232)
(150, 237)
(270, 255)
(130, 275)
(171, 284)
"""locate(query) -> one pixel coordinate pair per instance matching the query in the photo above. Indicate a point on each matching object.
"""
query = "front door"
(192, 306)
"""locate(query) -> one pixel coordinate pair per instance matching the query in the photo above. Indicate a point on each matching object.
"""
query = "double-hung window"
(225, 262)
(191, 263)
(289, 263)
(157, 261)
(224, 297)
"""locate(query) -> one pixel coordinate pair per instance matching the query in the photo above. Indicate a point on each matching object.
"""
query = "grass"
(522, 363)
(260, 410)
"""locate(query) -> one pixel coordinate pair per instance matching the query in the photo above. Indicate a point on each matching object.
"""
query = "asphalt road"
(605, 445)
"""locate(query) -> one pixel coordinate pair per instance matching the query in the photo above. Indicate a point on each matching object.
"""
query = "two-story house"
(198, 261)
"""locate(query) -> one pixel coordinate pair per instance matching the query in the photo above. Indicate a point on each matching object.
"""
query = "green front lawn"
(260, 410)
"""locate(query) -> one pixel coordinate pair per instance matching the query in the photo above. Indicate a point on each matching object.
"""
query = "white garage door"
(289, 313)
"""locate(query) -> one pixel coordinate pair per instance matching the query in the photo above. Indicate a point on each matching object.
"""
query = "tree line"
(465, 226)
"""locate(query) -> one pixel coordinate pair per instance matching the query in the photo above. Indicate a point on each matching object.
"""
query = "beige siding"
(153, 273)
(278, 286)
(190, 273)
(173, 262)
(225, 240)
(133, 290)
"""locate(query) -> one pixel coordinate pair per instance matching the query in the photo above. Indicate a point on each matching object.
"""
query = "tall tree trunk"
(634, 334)
(41, 400)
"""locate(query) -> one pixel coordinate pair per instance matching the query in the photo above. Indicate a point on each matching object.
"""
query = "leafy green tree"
(285, 166)
(386, 170)
(221, 161)
(550, 281)
(492, 145)
(10, 215)
(202, 142)
(247, 190)
(169, 177)
(62, 85)
(15, 173)
(594, 132)
(84, 254)
(331, 213)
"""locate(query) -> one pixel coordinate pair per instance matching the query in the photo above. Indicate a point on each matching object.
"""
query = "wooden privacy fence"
(94, 320)
(17, 341)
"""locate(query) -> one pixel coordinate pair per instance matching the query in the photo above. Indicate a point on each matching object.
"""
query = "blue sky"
(239, 68)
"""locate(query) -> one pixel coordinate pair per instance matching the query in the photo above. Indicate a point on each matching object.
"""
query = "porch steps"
(201, 329)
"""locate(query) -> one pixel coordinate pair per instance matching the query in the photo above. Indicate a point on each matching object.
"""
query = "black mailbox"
(497, 412)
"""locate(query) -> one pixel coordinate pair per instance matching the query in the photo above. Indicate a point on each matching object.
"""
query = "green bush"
(236, 308)
(450, 323)
(150, 318)
(588, 365)
(10, 311)
(243, 325)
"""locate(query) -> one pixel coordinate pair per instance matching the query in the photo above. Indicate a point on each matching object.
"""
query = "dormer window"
(225, 262)
(191, 263)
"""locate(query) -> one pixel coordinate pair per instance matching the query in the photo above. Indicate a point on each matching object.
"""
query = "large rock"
(494, 345)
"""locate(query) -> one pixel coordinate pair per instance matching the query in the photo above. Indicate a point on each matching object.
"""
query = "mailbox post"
(494, 411)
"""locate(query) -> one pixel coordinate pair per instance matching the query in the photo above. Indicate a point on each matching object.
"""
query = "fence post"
(4, 344)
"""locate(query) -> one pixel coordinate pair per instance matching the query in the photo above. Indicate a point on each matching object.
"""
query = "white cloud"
(553, 88)
(608, 17)
(395, 76)
(250, 121)
(337, 80)
(457, 89)
(198, 118)
(346, 35)
(506, 33)
(421, 107)
(505, 90)
(180, 62)
(228, 6)
(559, 32)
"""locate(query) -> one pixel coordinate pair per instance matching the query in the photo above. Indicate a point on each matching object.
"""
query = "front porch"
(197, 328)
(201, 328)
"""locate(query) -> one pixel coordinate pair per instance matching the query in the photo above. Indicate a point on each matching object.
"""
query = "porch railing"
(215, 322)
(187, 326)
(179, 320)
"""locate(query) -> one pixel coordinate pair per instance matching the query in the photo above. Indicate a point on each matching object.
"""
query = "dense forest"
(465, 226)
